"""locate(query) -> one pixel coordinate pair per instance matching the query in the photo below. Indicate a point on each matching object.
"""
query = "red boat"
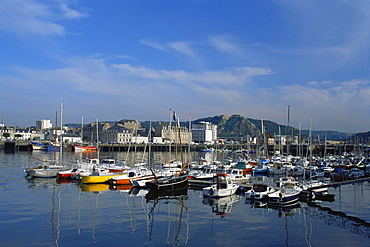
(80, 148)
(69, 174)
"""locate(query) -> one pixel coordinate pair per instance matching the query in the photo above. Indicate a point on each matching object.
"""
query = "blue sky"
(118, 59)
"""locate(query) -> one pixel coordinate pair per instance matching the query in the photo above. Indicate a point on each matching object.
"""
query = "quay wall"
(318, 150)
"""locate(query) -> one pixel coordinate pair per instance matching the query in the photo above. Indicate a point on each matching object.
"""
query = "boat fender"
(281, 196)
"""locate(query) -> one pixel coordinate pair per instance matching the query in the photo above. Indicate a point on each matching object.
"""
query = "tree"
(17, 135)
(6, 135)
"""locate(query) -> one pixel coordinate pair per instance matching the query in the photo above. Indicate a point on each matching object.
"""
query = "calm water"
(43, 212)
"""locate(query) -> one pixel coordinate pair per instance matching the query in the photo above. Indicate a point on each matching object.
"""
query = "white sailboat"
(49, 169)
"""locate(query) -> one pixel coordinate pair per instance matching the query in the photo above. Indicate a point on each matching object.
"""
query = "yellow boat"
(97, 179)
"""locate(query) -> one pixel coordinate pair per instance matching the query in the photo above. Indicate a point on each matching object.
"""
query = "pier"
(344, 182)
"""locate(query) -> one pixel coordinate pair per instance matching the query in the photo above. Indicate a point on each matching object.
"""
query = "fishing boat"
(168, 184)
(245, 166)
(259, 192)
(38, 146)
(221, 186)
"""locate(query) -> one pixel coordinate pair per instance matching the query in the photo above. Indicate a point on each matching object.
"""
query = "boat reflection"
(177, 210)
(94, 187)
(121, 187)
(41, 182)
(283, 210)
(221, 206)
(286, 210)
(170, 194)
(135, 191)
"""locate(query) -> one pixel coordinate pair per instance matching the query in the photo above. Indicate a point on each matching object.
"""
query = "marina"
(63, 212)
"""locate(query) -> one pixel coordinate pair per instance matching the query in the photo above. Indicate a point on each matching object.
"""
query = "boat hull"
(280, 198)
(93, 179)
(168, 184)
(213, 192)
(45, 172)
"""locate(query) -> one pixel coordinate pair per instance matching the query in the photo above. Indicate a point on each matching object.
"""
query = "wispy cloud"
(184, 48)
(69, 13)
(32, 17)
(226, 45)
(153, 43)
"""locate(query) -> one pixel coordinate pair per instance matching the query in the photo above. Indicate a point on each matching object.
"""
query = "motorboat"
(221, 186)
(287, 194)
(70, 174)
(99, 175)
(259, 192)
(124, 179)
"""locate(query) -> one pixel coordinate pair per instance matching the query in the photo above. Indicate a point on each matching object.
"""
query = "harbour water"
(47, 212)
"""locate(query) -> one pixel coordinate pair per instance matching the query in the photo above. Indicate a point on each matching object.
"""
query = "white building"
(43, 124)
(204, 132)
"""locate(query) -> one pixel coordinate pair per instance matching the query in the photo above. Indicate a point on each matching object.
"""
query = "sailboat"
(180, 181)
(49, 169)
(99, 174)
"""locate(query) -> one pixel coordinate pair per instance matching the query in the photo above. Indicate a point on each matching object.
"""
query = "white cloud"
(33, 17)
(141, 90)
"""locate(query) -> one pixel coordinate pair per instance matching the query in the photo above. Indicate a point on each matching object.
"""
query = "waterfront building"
(43, 124)
(116, 134)
(170, 134)
(90, 131)
(204, 132)
(132, 125)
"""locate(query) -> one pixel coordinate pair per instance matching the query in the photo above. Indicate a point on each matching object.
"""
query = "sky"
(137, 59)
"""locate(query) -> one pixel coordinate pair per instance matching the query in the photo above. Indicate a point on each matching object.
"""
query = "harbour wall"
(296, 150)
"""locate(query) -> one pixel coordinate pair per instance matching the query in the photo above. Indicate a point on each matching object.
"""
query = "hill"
(240, 126)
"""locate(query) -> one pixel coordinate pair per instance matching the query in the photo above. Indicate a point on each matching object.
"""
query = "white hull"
(45, 172)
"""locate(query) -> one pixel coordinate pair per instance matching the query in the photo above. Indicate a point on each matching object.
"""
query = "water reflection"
(177, 206)
(65, 213)
(222, 206)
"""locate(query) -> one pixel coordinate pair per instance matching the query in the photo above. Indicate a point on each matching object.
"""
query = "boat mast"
(97, 139)
(189, 140)
(170, 131)
(287, 134)
(150, 142)
(61, 133)
(82, 129)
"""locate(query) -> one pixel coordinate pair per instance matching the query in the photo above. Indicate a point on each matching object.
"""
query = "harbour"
(54, 212)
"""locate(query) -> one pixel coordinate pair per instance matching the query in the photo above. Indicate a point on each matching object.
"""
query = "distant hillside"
(238, 126)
